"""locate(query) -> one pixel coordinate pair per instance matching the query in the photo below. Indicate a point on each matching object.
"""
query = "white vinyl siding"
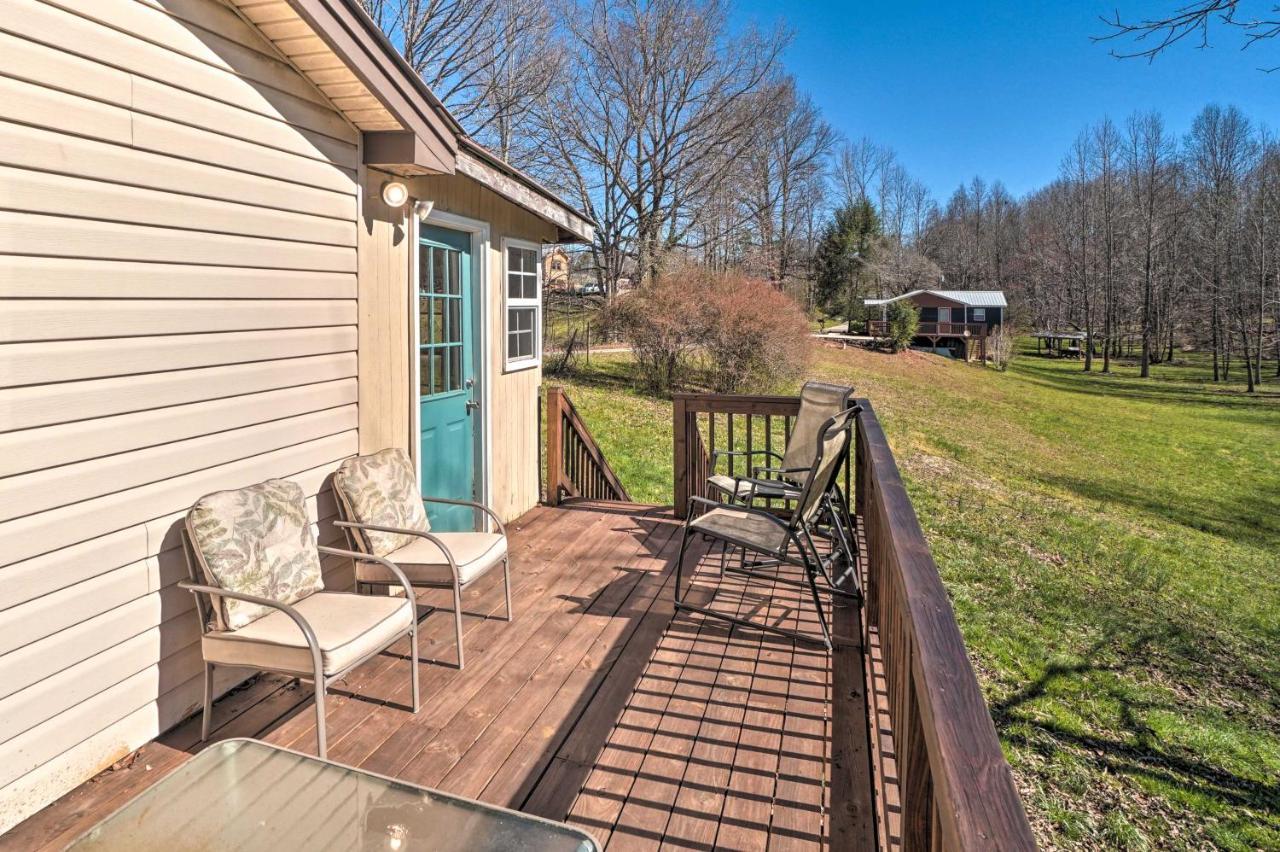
(178, 315)
(523, 308)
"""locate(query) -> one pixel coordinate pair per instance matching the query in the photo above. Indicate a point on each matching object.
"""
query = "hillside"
(1111, 546)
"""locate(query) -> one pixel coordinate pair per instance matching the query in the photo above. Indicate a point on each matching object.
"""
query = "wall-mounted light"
(423, 209)
(394, 193)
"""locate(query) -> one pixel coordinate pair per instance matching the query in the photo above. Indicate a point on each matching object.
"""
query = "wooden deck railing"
(704, 423)
(575, 465)
(954, 787)
(951, 329)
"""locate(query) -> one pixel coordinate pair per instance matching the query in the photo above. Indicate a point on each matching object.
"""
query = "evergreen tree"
(847, 247)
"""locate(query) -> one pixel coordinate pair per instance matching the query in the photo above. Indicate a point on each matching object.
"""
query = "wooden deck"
(596, 705)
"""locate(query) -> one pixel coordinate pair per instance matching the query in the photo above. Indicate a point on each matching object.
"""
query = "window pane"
(531, 286)
(513, 285)
(513, 259)
(455, 273)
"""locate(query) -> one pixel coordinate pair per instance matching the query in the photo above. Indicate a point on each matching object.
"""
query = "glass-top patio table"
(243, 794)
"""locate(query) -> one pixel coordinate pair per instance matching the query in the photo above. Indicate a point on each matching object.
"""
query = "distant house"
(555, 269)
(955, 320)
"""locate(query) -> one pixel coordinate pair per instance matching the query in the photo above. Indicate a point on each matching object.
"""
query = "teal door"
(448, 406)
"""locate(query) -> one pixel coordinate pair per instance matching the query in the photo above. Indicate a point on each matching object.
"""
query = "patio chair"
(255, 573)
(767, 482)
(781, 541)
(384, 517)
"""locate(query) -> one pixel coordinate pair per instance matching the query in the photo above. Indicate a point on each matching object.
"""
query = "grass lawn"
(1112, 548)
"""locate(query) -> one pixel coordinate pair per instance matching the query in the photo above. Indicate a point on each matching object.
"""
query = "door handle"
(472, 405)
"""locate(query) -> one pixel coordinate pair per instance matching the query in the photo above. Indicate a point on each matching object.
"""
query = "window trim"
(512, 365)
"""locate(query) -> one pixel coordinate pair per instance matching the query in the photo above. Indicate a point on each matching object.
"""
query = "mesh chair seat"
(760, 489)
(747, 529)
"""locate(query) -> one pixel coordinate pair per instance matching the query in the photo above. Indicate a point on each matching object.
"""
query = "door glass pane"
(455, 321)
(424, 268)
(437, 320)
(437, 370)
(455, 273)
(455, 368)
(437, 270)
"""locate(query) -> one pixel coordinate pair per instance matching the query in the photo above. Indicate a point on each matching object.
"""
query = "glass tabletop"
(247, 795)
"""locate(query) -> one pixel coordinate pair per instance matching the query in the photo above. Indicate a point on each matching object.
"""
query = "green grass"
(1112, 548)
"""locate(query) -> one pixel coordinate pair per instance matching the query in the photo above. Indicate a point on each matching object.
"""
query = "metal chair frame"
(798, 546)
(205, 595)
(354, 541)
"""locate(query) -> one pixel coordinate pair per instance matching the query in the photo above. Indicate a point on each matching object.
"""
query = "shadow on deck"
(597, 705)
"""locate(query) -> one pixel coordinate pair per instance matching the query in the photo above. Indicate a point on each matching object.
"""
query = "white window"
(979, 314)
(523, 304)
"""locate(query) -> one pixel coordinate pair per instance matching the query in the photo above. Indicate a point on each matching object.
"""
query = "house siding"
(179, 315)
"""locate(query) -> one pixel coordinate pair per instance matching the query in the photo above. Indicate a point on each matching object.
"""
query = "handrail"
(965, 329)
(955, 787)
(703, 423)
(576, 467)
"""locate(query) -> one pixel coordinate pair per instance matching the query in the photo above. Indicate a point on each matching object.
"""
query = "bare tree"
(1152, 36)
(489, 61)
(858, 167)
(1218, 153)
(1148, 156)
(659, 100)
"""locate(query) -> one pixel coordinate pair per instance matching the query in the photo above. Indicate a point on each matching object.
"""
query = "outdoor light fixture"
(423, 209)
(394, 193)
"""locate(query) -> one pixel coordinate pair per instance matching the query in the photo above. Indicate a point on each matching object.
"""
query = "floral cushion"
(381, 489)
(256, 540)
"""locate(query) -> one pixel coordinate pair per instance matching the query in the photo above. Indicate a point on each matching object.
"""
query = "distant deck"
(597, 705)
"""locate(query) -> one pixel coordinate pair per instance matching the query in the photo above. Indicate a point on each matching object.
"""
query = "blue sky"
(999, 89)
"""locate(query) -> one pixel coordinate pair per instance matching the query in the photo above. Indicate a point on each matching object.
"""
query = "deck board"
(597, 705)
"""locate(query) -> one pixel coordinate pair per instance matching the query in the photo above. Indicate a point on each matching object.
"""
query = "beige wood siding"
(385, 334)
(178, 314)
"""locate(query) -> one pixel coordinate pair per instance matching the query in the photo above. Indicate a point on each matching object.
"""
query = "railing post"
(681, 460)
(555, 443)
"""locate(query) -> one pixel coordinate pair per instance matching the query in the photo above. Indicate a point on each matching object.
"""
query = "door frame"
(479, 232)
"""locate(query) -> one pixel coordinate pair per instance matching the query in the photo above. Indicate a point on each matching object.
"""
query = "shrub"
(749, 335)
(756, 337)
(662, 323)
(1000, 347)
(904, 320)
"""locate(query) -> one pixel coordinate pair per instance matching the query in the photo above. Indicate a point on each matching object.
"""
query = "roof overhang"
(410, 132)
(515, 186)
(429, 139)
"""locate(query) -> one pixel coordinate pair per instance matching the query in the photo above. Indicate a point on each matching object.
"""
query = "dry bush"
(745, 334)
(1001, 346)
(662, 323)
(755, 339)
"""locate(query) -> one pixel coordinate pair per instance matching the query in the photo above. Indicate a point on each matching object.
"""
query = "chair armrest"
(483, 508)
(756, 471)
(307, 632)
(369, 557)
(715, 504)
(719, 454)
(453, 563)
